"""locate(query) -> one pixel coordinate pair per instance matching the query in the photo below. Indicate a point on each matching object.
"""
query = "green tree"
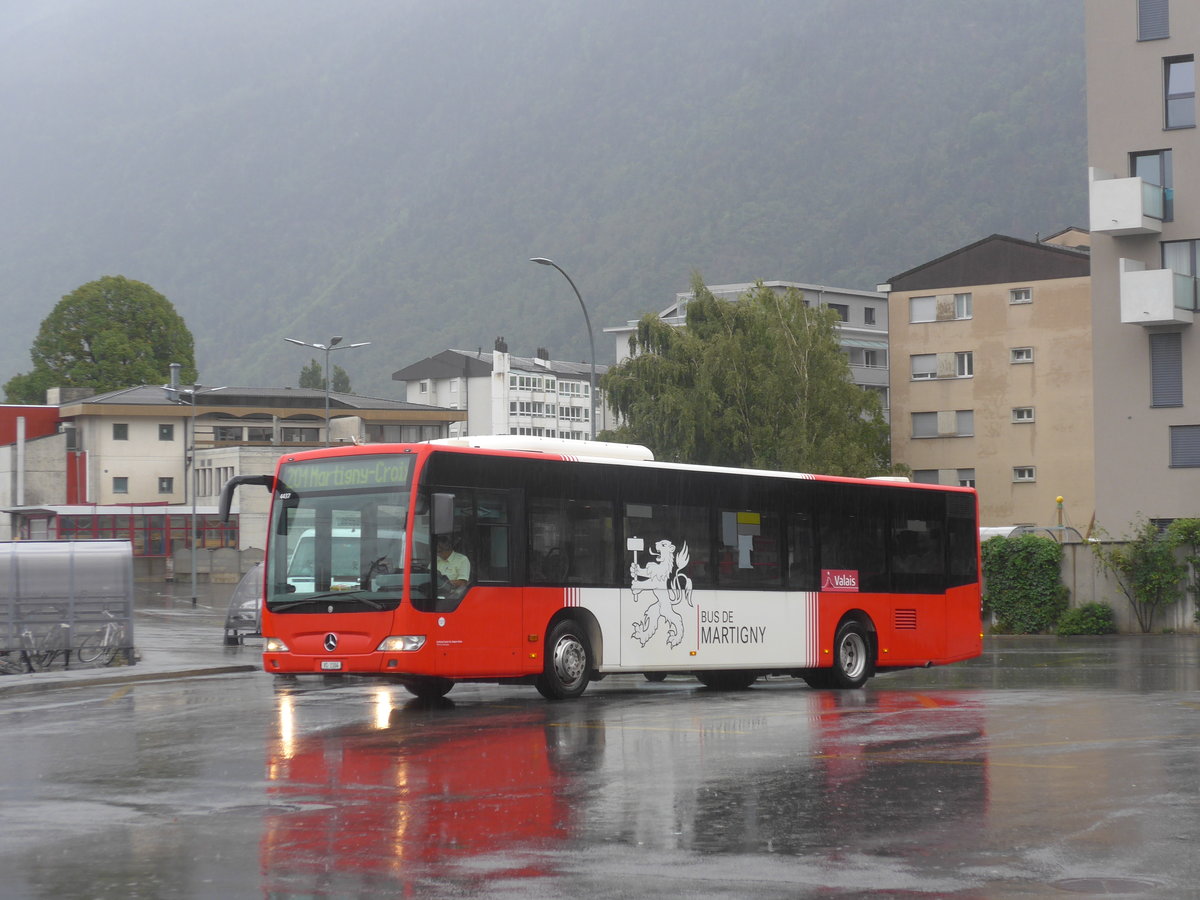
(760, 383)
(313, 376)
(105, 335)
(1146, 570)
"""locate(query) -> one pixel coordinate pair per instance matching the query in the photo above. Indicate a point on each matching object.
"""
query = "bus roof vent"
(561, 446)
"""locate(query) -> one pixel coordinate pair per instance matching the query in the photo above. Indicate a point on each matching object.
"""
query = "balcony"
(1156, 296)
(1123, 206)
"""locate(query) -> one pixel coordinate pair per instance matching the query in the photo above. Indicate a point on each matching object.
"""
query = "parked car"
(244, 617)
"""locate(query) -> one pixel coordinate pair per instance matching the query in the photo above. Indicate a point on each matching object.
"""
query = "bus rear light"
(275, 645)
(402, 643)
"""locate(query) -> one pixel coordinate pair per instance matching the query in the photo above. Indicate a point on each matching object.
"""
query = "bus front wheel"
(428, 688)
(567, 664)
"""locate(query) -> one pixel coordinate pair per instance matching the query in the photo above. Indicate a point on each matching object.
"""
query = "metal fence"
(63, 597)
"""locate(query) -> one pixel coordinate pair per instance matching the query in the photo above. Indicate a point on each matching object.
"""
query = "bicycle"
(16, 662)
(102, 646)
(55, 640)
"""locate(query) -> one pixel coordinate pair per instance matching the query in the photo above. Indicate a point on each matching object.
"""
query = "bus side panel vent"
(905, 619)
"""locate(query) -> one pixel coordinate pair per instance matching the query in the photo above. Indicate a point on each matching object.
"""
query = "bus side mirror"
(443, 513)
(236, 481)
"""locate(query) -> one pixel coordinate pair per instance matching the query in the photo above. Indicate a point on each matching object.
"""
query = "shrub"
(1146, 570)
(1023, 581)
(1091, 618)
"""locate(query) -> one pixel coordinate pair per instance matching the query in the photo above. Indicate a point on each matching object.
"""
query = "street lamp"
(542, 261)
(335, 343)
(175, 393)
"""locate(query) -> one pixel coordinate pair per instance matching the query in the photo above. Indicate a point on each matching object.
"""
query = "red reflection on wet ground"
(411, 799)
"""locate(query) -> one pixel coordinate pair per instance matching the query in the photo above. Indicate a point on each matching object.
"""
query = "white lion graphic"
(667, 584)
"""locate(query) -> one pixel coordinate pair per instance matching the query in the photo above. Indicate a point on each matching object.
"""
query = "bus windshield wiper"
(340, 596)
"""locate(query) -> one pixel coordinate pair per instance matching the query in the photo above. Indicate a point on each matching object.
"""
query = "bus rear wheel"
(851, 656)
(428, 688)
(568, 662)
(727, 680)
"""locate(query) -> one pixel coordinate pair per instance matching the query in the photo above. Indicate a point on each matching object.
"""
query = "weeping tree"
(759, 383)
(105, 335)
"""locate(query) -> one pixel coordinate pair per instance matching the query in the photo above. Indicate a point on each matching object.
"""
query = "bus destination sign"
(347, 472)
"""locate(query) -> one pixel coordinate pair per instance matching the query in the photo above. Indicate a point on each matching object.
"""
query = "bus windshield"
(337, 533)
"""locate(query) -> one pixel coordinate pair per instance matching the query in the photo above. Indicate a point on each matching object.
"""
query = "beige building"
(1143, 150)
(991, 376)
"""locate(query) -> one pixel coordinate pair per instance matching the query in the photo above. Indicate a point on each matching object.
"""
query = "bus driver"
(453, 567)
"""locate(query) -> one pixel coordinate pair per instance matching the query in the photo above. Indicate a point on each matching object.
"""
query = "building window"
(1020, 295)
(1022, 414)
(922, 309)
(964, 364)
(423, 387)
(1024, 473)
(166, 485)
(1154, 167)
(120, 484)
(874, 359)
(966, 477)
(1153, 20)
(166, 432)
(1185, 446)
(925, 476)
(869, 315)
(842, 310)
(120, 431)
(924, 365)
(1166, 369)
(1020, 355)
(932, 424)
(924, 424)
(1179, 76)
(962, 306)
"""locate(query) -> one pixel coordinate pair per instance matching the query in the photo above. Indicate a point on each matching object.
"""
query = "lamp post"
(542, 261)
(175, 393)
(335, 343)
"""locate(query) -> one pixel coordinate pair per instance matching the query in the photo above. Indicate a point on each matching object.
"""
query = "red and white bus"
(587, 559)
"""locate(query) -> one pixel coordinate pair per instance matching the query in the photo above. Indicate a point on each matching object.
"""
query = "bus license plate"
(327, 664)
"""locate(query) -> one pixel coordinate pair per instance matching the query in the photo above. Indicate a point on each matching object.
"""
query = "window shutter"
(1185, 445)
(1153, 20)
(1166, 369)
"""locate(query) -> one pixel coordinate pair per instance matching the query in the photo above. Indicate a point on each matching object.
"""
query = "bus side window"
(749, 549)
(853, 534)
(917, 545)
(492, 522)
(802, 559)
(570, 541)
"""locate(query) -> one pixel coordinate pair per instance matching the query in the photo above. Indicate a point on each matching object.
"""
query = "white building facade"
(506, 394)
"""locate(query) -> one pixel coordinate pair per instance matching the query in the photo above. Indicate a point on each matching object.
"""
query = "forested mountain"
(384, 169)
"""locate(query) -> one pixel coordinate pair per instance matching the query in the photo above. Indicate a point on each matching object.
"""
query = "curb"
(132, 677)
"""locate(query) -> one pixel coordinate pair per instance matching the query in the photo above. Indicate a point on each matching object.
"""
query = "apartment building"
(499, 393)
(134, 464)
(863, 332)
(992, 375)
(1143, 151)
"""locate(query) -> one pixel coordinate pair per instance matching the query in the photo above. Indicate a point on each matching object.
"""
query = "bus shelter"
(59, 595)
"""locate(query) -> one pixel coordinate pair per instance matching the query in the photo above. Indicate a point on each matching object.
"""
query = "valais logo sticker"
(839, 579)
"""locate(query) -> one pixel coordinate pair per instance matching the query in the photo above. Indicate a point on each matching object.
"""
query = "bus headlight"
(275, 645)
(400, 643)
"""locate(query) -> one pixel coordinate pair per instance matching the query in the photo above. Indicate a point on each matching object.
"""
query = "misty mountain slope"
(385, 169)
